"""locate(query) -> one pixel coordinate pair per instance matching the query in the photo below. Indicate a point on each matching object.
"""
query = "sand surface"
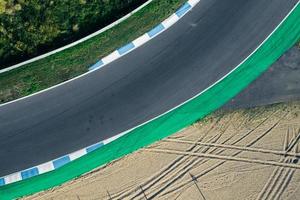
(242, 154)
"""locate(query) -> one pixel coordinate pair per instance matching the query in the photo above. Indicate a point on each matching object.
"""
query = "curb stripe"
(141, 40)
(12, 178)
(61, 162)
(126, 48)
(77, 154)
(170, 21)
(183, 9)
(193, 2)
(29, 173)
(97, 65)
(156, 30)
(94, 147)
(111, 57)
(2, 182)
(45, 167)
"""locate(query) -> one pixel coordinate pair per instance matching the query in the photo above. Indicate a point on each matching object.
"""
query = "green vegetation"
(75, 61)
(31, 27)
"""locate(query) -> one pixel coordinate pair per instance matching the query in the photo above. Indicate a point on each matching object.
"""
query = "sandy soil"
(242, 154)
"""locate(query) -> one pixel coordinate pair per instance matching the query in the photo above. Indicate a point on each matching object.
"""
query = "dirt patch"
(241, 154)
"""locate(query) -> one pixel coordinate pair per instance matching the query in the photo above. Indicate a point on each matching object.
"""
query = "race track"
(197, 51)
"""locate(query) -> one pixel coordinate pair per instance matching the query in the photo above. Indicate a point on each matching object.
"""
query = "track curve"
(187, 58)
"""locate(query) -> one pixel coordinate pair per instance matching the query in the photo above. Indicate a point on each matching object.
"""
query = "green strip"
(287, 35)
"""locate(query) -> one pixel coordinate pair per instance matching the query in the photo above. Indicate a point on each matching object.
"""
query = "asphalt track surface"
(198, 50)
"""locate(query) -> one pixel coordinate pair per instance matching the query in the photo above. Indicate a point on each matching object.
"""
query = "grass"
(72, 62)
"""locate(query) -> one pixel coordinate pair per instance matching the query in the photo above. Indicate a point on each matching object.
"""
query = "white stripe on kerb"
(193, 2)
(77, 154)
(46, 167)
(113, 138)
(111, 57)
(170, 21)
(141, 40)
(12, 178)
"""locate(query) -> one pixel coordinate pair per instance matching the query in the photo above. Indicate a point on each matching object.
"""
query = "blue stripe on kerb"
(156, 30)
(126, 48)
(61, 161)
(183, 9)
(97, 65)
(30, 173)
(2, 182)
(94, 147)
